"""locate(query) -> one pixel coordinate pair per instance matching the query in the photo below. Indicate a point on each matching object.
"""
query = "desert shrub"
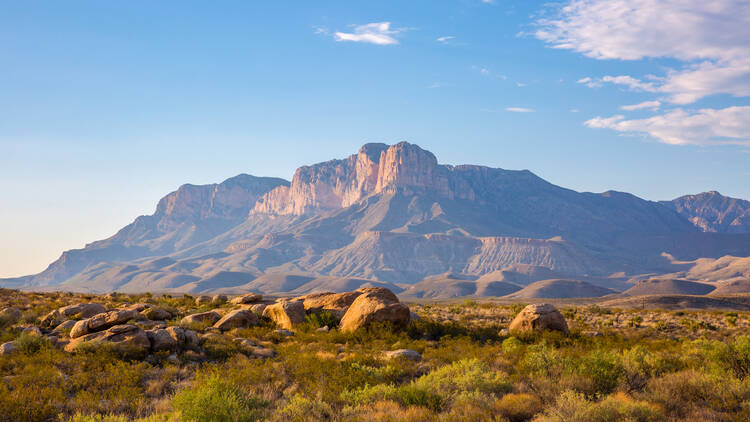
(542, 360)
(300, 408)
(574, 407)
(518, 407)
(31, 344)
(216, 400)
(221, 347)
(512, 346)
(602, 370)
(681, 392)
(389, 411)
(639, 365)
(464, 375)
(322, 319)
(406, 395)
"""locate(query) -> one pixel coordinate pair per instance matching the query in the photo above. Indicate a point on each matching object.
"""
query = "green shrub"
(406, 395)
(216, 400)
(31, 344)
(300, 408)
(574, 407)
(322, 319)
(464, 375)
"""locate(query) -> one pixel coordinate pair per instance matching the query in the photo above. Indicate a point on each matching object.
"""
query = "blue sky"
(107, 106)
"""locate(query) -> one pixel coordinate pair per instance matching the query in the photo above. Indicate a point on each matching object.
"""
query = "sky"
(105, 107)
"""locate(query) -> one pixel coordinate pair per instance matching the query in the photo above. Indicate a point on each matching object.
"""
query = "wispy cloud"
(379, 33)
(709, 38)
(519, 109)
(445, 39)
(653, 105)
(574, 110)
(679, 127)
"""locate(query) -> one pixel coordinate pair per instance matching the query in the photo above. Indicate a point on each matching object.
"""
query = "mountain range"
(391, 215)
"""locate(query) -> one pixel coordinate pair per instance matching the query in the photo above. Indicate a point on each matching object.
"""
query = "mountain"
(388, 214)
(713, 212)
(561, 288)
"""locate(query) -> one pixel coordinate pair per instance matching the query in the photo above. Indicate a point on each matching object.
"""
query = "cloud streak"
(519, 109)
(730, 125)
(379, 33)
(653, 105)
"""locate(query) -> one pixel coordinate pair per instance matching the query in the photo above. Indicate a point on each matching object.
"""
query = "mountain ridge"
(392, 213)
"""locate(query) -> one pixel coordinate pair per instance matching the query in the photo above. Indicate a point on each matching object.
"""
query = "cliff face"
(376, 168)
(713, 212)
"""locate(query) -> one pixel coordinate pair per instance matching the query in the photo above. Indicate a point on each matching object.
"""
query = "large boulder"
(203, 300)
(338, 303)
(239, 318)
(246, 298)
(103, 321)
(156, 313)
(10, 315)
(375, 304)
(219, 299)
(208, 318)
(161, 339)
(538, 318)
(64, 326)
(286, 313)
(84, 310)
(129, 338)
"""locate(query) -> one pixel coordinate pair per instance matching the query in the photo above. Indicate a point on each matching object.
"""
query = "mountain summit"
(392, 215)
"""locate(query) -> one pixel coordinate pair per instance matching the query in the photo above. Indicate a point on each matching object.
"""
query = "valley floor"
(616, 364)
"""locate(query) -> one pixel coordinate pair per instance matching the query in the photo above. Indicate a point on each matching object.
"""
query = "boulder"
(203, 300)
(539, 318)
(246, 298)
(375, 304)
(10, 315)
(102, 321)
(161, 339)
(127, 337)
(157, 314)
(209, 317)
(286, 313)
(338, 303)
(219, 299)
(86, 310)
(239, 318)
(258, 308)
(8, 348)
(403, 353)
(64, 326)
(32, 331)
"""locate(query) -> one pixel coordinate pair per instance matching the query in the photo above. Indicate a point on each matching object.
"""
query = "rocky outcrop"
(128, 338)
(535, 318)
(285, 313)
(103, 321)
(246, 298)
(402, 353)
(239, 318)
(84, 310)
(172, 338)
(375, 304)
(156, 313)
(338, 303)
(209, 317)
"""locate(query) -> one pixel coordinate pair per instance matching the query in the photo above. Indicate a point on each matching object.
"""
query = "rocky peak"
(714, 212)
(373, 169)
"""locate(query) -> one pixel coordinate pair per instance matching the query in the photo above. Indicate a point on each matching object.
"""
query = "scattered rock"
(219, 299)
(239, 318)
(247, 298)
(538, 318)
(203, 317)
(173, 359)
(286, 313)
(258, 308)
(338, 303)
(11, 315)
(8, 348)
(403, 353)
(84, 310)
(161, 339)
(414, 317)
(64, 326)
(157, 314)
(323, 329)
(128, 337)
(203, 300)
(285, 333)
(32, 331)
(102, 321)
(262, 352)
(375, 304)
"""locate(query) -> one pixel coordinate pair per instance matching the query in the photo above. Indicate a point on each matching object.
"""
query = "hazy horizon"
(106, 108)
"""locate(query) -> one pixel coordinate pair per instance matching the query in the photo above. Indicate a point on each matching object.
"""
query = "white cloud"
(379, 33)
(653, 105)
(445, 38)
(730, 125)
(574, 110)
(520, 84)
(709, 37)
(488, 1)
(519, 110)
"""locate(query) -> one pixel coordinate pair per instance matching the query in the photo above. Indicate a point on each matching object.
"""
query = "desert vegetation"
(455, 361)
